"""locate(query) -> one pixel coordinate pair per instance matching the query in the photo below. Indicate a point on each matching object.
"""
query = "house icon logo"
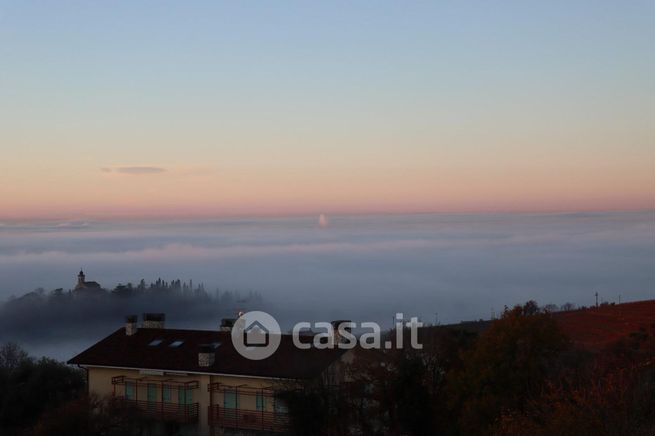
(256, 335)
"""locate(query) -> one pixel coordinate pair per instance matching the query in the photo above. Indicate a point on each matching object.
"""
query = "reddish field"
(595, 328)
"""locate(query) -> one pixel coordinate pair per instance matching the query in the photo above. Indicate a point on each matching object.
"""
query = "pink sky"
(235, 109)
(176, 192)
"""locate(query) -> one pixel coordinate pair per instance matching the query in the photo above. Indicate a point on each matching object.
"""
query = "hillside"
(596, 327)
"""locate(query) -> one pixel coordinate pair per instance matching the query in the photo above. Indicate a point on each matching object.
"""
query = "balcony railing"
(242, 419)
(184, 413)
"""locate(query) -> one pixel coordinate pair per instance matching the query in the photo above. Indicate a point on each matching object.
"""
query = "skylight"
(155, 342)
(176, 344)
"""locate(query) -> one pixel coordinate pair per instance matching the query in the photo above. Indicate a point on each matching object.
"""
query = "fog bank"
(356, 267)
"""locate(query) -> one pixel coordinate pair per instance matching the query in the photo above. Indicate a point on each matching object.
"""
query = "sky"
(198, 109)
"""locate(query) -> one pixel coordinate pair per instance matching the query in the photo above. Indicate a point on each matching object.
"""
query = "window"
(176, 344)
(166, 393)
(152, 392)
(152, 395)
(230, 402)
(184, 396)
(129, 391)
(155, 342)
(231, 399)
(189, 396)
(261, 405)
(281, 406)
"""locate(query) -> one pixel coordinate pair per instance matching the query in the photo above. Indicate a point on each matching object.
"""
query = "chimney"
(227, 324)
(154, 320)
(206, 355)
(131, 325)
(337, 336)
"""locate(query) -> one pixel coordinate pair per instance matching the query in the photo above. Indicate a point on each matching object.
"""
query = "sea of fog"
(364, 268)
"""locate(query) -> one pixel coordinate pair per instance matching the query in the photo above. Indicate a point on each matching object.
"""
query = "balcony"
(242, 419)
(182, 413)
(152, 397)
(262, 412)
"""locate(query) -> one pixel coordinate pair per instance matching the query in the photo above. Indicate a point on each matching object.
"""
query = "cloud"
(134, 170)
(72, 225)
(177, 251)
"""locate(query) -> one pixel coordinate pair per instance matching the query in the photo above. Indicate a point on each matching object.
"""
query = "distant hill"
(597, 327)
(591, 328)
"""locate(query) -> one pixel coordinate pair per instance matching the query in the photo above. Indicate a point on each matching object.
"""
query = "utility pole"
(436, 318)
(596, 299)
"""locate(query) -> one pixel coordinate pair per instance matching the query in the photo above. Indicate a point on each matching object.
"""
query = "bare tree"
(11, 356)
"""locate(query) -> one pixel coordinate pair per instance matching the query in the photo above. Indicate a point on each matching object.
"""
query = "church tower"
(80, 279)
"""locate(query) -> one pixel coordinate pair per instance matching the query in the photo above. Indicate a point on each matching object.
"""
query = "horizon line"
(126, 216)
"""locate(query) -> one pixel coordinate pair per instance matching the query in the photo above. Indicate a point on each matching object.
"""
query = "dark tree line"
(42, 317)
(29, 388)
(48, 398)
(518, 377)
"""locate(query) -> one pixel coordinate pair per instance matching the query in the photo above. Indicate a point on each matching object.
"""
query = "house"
(198, 379)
